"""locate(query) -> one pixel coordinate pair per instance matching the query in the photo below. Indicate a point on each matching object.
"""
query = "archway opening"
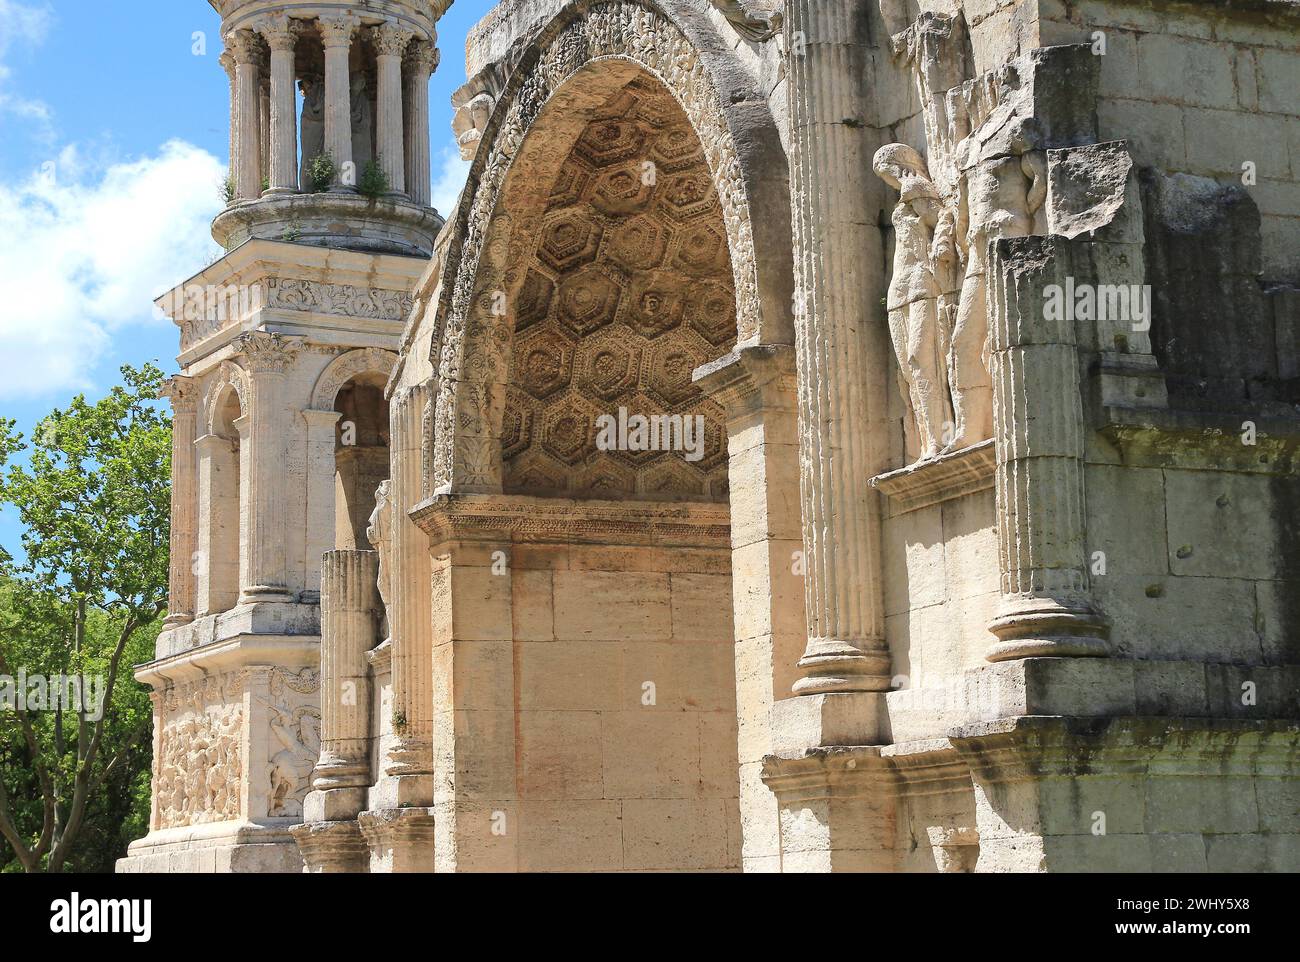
(617, 284)
(360, 457)
(223, 536)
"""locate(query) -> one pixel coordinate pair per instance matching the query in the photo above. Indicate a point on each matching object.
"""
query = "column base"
(400, 839)
(1048, 627)
(830, 665)
(332, 848)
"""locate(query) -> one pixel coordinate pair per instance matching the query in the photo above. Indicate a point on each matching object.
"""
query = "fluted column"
(348, 611)
(421, 61)
(336, 34)
(1039, 436)
(184, 526)
(227, 61)
(267, 358)
(281, 35)
(246, 165)
(390, 41)
(410, 615)
(842, 357)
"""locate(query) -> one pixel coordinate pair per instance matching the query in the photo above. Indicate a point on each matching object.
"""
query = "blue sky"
(113, 143)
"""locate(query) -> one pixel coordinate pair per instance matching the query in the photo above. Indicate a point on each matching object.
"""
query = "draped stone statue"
(380, 534)
(363, 124)
(312, 126)
(915, 327)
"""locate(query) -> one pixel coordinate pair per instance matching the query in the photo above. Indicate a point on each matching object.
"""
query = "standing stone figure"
(920, 245)
(380, 534)
(363, 124)
(312, 126)
(999, 197)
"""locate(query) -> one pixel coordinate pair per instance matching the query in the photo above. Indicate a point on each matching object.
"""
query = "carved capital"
(337, 31)
(266, 353)
(422, 55)
(279, 32)
(244, 46)
(182, 393)
(390, 40)
(227, 61)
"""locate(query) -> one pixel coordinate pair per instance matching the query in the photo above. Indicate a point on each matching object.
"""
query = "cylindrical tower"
(329, 101)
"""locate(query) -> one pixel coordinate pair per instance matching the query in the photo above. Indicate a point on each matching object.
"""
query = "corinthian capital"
(244, 46)
(390, 40)
(180, 391)
(279, 32)
(337, 30)
(422, 55)
(266, 353)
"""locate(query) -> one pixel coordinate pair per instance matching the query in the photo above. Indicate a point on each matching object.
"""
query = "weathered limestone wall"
(626, 709)
(585, 708)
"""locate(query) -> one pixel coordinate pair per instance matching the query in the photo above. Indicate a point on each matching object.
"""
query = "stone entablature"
(336, 295)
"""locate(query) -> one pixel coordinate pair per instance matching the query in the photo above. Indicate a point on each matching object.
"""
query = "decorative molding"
(940, 479)
(529, 519)
(295, 294)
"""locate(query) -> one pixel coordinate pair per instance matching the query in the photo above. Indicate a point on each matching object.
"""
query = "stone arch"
(587, 51)
(230, 377)
(345, 367)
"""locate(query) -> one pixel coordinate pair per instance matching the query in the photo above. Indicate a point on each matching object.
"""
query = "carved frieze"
(294, 294)
(199, 769)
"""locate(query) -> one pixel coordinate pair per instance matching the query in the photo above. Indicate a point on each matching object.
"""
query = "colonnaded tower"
(981, 551)
(281, 427)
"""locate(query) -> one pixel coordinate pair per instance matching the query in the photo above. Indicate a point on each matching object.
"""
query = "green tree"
(94, 500)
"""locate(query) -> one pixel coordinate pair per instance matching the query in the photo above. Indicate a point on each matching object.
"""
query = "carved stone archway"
(344, 368)
(230, 377)
(540, 114)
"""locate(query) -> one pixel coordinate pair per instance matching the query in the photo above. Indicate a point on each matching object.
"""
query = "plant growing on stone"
(374, 182)
(91, 490)
(228, 189)
(320, 173)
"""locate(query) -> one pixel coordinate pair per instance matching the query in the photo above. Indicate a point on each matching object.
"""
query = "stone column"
(390, 43)
(349, 610)
(421, 61)
(227, 62)
(281, 35)
(1039, 436)
(336, 34)
(267, 357)
(843, 359)
(246, 165)
(410, 614)
(321, 440)
(184, 527)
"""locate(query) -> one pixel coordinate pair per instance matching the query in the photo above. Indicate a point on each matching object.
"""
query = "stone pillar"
(267, 357)
(184, 526)
(410, 614)
(756, 386)
(843, 359)
(390, 41)
(421, 61)
(264, 129)
(246, 165)
(321, 441)
(227, 61)
(349, 610)
(281, 35)
(1039, 436)
(336, 34)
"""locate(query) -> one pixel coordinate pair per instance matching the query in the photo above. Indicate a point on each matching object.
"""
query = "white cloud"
(21, 24)
(449, 179)
(83, 256)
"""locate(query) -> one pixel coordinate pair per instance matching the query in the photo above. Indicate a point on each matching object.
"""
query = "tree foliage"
(91, 489)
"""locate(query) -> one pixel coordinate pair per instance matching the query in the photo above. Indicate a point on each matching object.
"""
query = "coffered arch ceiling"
(626, 288)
